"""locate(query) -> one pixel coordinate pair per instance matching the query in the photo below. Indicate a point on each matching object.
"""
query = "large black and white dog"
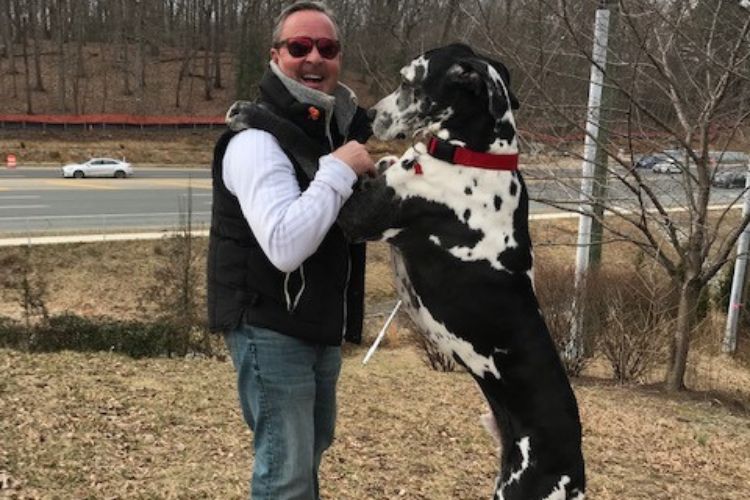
(456, 213)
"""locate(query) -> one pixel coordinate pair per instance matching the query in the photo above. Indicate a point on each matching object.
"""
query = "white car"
(667, 166)
(98, 167)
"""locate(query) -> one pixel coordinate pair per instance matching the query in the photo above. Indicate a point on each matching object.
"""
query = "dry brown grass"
(106, 426)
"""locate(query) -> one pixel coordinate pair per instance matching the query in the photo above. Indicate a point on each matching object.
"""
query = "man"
(283, 283)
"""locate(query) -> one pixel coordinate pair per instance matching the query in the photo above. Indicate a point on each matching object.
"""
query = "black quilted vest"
(323, 300)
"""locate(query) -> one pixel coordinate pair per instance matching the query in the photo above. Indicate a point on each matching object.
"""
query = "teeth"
(312, 77)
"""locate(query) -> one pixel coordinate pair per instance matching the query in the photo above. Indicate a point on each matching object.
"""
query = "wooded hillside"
(197, 56)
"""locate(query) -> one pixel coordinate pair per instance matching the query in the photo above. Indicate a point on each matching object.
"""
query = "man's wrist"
(337, 174)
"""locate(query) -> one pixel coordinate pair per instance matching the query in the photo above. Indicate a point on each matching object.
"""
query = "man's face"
(311, 70)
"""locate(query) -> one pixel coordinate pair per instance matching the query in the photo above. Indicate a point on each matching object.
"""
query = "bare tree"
(34, 15)
(216, 42)
(8, 25)
(681, 63)
(207, 38)
(78, 15)
(61, 21)
(26, 72)
(124, 59)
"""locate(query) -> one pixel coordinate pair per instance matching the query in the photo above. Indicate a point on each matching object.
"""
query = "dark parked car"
(648, 161)
(731, 179)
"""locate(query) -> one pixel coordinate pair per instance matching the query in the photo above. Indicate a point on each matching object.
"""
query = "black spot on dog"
(507, 239)
(468, 191)
(513, 188)
(408, 164)
(387, 120)
(467, 214)
(498, 203)
(476, 182)
(505, 130)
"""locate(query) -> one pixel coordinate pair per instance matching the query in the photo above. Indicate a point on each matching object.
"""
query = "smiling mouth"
(312, 78)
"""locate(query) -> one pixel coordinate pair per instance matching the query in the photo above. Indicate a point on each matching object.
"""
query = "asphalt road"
(34, 200)
(40, 201)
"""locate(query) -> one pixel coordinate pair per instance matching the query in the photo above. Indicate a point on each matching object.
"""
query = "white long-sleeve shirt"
(289, 224)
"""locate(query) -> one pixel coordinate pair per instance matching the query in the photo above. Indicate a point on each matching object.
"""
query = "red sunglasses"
(300, 46)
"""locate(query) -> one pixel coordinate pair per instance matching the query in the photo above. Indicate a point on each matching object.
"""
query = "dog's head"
(453, 93)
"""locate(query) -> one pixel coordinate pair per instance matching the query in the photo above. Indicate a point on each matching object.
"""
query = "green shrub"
(76, 333)
(12, 333)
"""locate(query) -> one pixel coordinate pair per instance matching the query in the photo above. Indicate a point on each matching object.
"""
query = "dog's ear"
(463, 74)
(485, 75)
(505, 75)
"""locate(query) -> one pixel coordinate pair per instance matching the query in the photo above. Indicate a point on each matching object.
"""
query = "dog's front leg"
(370, 211)
(237, 115)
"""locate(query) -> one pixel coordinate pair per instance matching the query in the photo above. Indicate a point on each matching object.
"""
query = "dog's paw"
(382, 164)
(235, 117)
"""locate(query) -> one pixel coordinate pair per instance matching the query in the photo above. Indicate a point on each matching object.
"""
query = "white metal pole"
(599, 57)
(596, 84)
(740, 267)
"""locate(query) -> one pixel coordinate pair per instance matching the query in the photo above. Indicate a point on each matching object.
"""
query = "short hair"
(300, 6)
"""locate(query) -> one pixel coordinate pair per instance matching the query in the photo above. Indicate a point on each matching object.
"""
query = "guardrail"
(103, 121)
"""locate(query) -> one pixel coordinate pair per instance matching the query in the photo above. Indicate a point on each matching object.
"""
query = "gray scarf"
(343, 101)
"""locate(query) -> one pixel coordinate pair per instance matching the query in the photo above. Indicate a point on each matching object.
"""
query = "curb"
(91, 238)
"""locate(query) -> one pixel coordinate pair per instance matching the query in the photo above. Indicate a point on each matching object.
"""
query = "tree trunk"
(8, 35)
(124, 49)
(61, 63)
(141, 55)
(44, 20)
(80, 69)
(686, 314)
(35, 5)
(207, 46)
(26, 71)
(215, 42)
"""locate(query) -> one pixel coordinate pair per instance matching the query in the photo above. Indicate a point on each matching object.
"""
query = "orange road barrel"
(11, 161)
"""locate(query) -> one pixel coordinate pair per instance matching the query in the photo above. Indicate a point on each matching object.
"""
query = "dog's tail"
(490, 424)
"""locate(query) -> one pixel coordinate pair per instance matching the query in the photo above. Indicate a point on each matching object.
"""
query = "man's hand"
(356, 156)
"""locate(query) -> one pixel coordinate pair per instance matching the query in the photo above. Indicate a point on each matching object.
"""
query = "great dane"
(455, 211)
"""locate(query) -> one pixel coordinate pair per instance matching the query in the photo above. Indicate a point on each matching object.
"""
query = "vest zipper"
(291, 306)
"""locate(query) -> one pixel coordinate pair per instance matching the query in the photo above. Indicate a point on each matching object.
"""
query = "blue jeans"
(287, 391)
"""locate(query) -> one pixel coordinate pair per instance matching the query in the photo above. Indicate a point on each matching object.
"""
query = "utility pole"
(599, 61)
(729, 345)
(601, 161)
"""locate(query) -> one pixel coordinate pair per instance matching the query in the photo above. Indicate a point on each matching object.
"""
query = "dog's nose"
(371, 114)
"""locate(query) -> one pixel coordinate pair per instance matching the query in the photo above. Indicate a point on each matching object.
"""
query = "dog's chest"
(483, 203)
(475, 228)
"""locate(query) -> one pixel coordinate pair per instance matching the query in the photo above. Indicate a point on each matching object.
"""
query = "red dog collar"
(443, 150)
